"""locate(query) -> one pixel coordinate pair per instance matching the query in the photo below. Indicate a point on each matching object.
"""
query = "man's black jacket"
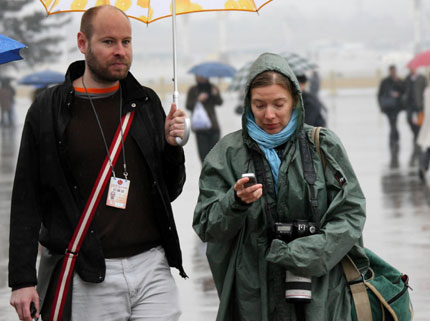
(46, 204)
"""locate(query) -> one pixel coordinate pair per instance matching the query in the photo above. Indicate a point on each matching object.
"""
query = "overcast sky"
(305, 26)
(299, 24)
(288, 23)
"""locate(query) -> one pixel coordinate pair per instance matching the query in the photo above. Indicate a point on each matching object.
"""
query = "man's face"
(108, 53)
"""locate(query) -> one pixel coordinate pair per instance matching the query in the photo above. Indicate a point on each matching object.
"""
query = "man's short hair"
(391, 67)
(87, 27)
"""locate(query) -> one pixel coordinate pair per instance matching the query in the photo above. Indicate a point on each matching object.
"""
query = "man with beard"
(122, 268)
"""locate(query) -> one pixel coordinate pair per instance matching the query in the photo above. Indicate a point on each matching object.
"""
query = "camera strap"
(309, 174)
(261, 176)
(86, 217)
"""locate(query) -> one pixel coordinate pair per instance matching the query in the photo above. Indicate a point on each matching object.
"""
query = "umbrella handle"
(187, 124)
(187, 129)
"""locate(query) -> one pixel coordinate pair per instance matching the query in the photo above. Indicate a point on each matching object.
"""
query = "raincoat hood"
(272, 62)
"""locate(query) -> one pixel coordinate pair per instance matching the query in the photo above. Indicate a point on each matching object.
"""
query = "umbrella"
(422, 59)
(42, 78)
(298, 64)
(149, 11)
(213, 69)
(9, 49)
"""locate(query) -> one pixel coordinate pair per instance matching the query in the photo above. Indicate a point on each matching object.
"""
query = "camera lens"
(298, 288)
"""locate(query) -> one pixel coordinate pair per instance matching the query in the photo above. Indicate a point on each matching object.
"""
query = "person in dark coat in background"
(7, 102)
(315, 111)
(208, 95)
(415, 85)
(390, 92)
(423, 139)
(314, 83)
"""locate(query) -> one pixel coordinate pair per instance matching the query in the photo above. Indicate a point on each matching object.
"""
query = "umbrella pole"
(187, 129)
(175, 84)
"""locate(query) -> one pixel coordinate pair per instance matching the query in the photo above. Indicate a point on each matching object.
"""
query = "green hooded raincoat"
(247, 265)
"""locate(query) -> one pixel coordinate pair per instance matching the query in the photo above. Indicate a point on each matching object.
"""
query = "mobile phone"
(33, 310)
(252, 179)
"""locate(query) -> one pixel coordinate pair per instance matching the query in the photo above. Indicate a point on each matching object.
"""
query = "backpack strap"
(315, 137)
(358, 289)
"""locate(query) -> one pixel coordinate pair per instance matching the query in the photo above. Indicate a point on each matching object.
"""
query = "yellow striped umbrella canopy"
(151, 10)
(148, 11)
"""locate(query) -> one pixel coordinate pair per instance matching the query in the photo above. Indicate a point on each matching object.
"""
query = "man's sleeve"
(25, 216)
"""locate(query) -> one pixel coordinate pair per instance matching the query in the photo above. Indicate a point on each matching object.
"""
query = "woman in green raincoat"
(248, 261)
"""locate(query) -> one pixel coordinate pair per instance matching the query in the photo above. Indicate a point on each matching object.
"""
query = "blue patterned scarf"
(268, 142)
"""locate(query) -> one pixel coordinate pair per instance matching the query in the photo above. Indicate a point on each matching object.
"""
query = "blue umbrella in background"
(42, 79)
(9, 49)
(213, 69)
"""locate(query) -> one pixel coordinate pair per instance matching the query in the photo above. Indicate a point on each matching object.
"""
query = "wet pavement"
(398, 204)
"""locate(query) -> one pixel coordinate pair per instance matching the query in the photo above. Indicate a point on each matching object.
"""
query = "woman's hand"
(249, 194)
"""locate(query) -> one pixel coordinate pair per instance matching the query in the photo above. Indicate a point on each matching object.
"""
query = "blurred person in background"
(206, 96)
(389, 96)
(122, 270)
(415, 85)
(423, 139)
(315, 111)
(247, 256)
(314, 83)
(7, 103)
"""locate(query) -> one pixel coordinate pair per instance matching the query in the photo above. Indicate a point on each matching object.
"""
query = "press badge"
(118, 192)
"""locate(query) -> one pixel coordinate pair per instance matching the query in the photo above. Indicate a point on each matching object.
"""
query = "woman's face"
(272, 107)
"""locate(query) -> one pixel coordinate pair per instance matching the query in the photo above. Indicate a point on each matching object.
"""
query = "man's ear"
(82, 42)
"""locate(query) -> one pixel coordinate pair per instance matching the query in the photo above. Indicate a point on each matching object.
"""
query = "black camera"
(290, 231)
(298, 289)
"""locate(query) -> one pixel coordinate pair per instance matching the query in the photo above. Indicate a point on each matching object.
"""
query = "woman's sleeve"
(219, 214)
(341, 224)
